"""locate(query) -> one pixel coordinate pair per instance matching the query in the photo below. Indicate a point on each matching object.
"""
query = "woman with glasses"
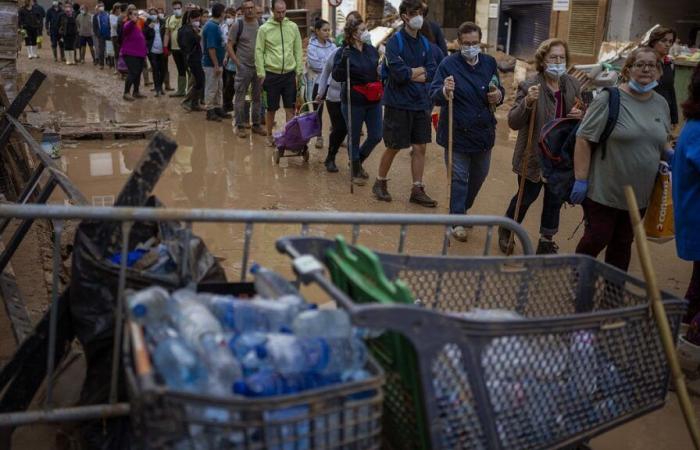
(631, 157)
(662, 40)
(549, 94)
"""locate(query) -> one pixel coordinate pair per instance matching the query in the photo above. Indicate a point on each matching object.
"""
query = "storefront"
(523, 25)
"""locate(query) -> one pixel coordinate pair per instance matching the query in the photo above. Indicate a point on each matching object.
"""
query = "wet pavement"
(215, 169)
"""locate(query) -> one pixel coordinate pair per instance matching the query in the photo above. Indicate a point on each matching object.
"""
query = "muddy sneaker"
(419, 196)
(547, 247)
(211, 115)
(139, 95)
(257, 129)
(459, 233)
(504, 243)
(241, 132)
(128, 98)
(381, 191)
(363, 173)
(221, 113)
(319, 142)
(357, 181)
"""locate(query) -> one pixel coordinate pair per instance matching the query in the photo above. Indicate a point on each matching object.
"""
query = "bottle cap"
(261, 351)
(139, 310)
(254, 268)
(239, 387)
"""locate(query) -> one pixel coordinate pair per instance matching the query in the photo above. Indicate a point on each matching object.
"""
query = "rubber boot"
(82, 55)
(29, 52)
(330, 161)
(63, 55)
(181, 87)
(54, 50)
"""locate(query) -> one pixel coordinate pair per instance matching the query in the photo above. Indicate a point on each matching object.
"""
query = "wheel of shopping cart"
(279, 153)
(305, 154)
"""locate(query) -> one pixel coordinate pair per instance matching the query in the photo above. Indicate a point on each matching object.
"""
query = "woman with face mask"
(154, 32)
(631, 156)
(133, 50)
(189, 40)
(365, 92)
(661, 40)
(319, 50)
(549, 94)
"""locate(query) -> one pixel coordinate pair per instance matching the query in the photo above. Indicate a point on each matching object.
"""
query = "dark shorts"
(403, 128)
(280, 85)
(85, 40)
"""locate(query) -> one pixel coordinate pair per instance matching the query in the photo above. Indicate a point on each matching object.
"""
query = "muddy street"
(212, 168)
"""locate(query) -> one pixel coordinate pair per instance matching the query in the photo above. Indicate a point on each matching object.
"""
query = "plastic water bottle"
(224, 370)
(293, 434)
(267, 383)
(326, 323)
(149, 305)
(288, 354)
(270, 284)
(191, 317)
(243, 316)
(584, 361)
(175, 360)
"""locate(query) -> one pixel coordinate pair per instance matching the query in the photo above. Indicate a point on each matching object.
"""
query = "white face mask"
(229, 21)
(161, 16)
(416, 22)
(101, 8)
(556, 70)
(195, 23)
(177, 12)
(153, 17)
(366, 38)
(470, 51)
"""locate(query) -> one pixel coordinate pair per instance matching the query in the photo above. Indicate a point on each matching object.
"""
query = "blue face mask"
(642, 88)
(556, 70)
(470, 51)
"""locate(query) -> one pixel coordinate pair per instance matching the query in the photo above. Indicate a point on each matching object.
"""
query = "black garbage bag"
(93, 298)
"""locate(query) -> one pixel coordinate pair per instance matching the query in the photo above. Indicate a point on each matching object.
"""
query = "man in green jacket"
(278, 63)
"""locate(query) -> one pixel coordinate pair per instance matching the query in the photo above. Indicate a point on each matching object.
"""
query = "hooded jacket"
(53, 17)
(278, 48)
(317, 54)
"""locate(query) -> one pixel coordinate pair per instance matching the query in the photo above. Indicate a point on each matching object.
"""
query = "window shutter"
(583, 27)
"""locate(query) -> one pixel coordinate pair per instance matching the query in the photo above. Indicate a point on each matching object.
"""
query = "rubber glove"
(578, 193)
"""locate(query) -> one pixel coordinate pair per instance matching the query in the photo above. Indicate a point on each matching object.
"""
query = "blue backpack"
(557, 142)
(399, 41)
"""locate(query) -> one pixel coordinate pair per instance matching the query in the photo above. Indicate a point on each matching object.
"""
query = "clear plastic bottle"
(223, 368)
(584, 363)
(244, 316)
(288, 354)
(191, 318)
(270, 284)
(149, 305)
(175, 360)
(326, 323)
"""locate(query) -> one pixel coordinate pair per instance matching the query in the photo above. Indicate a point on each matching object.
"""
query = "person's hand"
(262, 80)
(668, 155)
(494, 96)
(533, 93)
(319, 98)
(575, 113)
(579, 191)
(346, 52)
(418, 75)
(218, 70)
(449, 87)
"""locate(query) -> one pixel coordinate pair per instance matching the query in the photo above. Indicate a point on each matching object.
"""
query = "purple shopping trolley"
(296, 135)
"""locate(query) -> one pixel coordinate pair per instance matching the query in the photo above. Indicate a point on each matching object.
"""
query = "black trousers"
(133, 78)
(317, 106)
(158, 70)
(195, 66)
(32, 34)
(179, 59)
(229, 90)
(339, 128)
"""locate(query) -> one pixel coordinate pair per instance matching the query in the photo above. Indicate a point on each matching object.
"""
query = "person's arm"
(47, 22)
(399, 71)
(323, 79)
(437, 91)
(231, 41)
(519, 113)
(260, 53)
(298, 53)
(339, 73)
(582, 158)
(167, 37)
(673, 104)
(500, 88)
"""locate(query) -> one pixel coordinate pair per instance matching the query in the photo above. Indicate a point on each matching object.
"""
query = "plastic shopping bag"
(658, 221)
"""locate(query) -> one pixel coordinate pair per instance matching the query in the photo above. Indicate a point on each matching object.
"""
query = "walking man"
(213, 64)
(101, 31)
(278, 63)
(471, 80)
(407, 104)
(241, 49)
(84, 20)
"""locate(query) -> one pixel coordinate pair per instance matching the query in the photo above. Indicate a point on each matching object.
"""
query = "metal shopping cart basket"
(582, 355)
(342, 416)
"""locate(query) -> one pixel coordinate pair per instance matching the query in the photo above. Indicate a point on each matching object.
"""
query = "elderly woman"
(466, 77)
(661, 40)
(631, 157)
(549, 94)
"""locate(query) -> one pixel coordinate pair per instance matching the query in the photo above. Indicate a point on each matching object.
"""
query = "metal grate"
(583, 23)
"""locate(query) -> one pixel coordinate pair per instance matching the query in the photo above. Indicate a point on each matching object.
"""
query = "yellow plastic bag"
(658, 221)
(39, 40)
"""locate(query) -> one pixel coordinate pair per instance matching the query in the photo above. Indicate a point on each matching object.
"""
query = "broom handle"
(347, 84)
(450, 135)
(654, 294)
(523, 169)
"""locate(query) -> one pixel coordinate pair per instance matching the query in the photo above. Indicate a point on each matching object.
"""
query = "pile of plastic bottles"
(273, 344)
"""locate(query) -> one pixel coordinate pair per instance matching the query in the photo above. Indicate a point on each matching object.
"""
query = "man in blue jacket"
(407, 105)
(471, 79)
(101, 31)
(53, 17)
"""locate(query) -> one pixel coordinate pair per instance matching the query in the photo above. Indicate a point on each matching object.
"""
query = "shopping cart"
(583, 356)
(296, 134)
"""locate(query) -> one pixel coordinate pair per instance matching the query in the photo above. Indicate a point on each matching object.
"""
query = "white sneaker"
(459, 233)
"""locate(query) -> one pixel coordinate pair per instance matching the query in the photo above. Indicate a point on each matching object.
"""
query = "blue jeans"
(372, 117)
(549, 220)
(469, 171)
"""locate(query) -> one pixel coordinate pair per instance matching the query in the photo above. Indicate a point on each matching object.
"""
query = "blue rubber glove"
(578, 193)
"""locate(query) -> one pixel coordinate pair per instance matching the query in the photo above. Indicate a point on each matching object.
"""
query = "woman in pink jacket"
(133, 50)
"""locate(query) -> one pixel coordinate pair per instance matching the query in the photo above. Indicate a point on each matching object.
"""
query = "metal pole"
(347, 85)
(119, 313)
(64, 414)
(53, 317)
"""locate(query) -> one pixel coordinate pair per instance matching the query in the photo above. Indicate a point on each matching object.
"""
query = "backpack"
(557, 142)
(239, 32)
(399, 41)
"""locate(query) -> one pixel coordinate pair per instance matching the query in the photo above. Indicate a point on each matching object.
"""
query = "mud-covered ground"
(214, 168)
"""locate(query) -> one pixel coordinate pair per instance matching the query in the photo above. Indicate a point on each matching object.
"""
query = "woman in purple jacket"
(133, 50)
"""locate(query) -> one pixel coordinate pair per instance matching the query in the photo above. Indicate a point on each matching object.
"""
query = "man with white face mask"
(407, 106)
(471, 80)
